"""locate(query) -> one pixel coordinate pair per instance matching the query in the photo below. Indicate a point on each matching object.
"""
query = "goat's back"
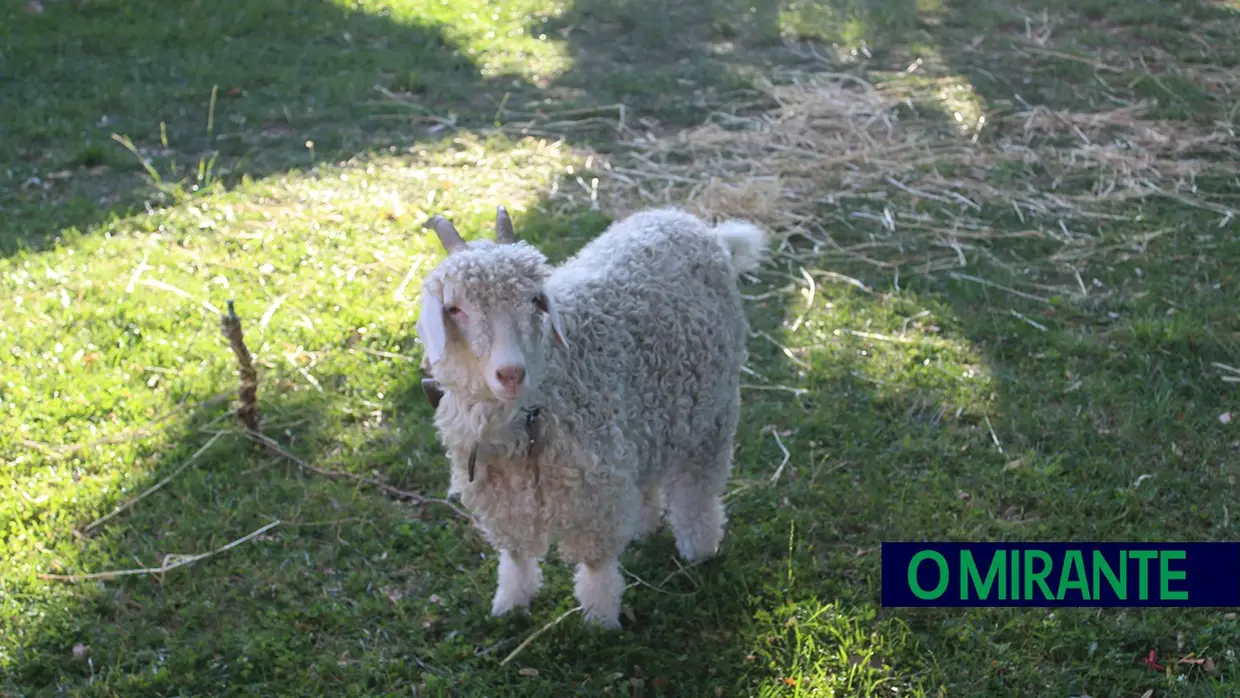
(657, 332)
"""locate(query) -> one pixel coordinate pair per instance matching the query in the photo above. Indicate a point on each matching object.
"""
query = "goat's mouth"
(507, 393)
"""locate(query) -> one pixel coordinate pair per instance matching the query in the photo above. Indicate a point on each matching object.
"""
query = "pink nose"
(511, 376)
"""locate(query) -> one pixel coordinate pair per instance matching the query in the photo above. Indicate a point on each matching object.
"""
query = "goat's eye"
(540, 302)
(454, 310)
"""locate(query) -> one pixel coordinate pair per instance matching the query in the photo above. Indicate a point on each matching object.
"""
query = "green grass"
(961, 413)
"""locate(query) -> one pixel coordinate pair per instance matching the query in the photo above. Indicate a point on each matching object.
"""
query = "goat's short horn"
(448, 237)
(504, 234)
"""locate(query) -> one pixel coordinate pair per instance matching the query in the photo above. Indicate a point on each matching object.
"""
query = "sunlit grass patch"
(118, 327)
(818, 647)
(503, 39)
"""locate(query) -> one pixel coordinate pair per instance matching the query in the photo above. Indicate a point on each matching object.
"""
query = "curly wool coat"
(636, 407)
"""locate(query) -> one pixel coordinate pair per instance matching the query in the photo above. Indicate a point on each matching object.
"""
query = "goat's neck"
(490, 419)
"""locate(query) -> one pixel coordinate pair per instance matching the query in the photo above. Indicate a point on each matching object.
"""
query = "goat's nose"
(511, 376)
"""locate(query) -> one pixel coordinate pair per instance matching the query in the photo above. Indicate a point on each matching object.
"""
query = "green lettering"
(1103, 568)
(1073, 562)
(1015, 575)
(969, 573)
(1166, 575)
(1143, 579)
(918, 591)
(1038, 578)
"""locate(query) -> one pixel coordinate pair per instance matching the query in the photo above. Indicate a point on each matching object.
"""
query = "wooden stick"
(171, 562)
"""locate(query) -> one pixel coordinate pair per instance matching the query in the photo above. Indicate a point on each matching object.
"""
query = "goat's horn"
(448, 237)
(504, 233)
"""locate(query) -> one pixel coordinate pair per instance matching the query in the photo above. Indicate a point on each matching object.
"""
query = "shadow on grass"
(212, 92)
(381, 597)
(355, 594)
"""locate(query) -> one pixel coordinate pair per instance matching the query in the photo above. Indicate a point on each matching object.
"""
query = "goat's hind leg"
(695, 501)
(520, 578)
(652, 509)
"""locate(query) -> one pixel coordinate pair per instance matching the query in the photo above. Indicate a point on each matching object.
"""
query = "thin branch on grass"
(270, 312)
(787, 456)
(171, 561)
(786, 351)
(153, 488)
(882, 337)
(247, 413)
(396, 492)
(809, 302)
(399, 295)
(384, 354)
(538, 633)
(1001, 287)
(658, 589)
(779, 388)
(155, 283)
(1036, 325)
(994, 437)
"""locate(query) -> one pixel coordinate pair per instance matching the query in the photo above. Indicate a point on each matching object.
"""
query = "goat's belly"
(517, 517)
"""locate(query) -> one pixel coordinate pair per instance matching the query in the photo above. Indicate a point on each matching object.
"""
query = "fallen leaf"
(1225, 418)
(80, 650)
(1013, 465)
(1148, 694)
(1206, 664)
(393, 594)
(1230, 616)
(789, 682)
(528, 671)
(435, 599)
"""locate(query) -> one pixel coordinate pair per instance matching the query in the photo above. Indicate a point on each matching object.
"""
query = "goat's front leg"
(520, 578)
(599, 587)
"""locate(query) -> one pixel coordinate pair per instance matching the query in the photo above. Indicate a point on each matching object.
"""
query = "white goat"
(575, 401)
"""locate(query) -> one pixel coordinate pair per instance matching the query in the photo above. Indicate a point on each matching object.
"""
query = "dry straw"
(835, 153)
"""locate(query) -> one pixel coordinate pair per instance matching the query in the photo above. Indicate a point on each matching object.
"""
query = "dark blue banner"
(1061, 574)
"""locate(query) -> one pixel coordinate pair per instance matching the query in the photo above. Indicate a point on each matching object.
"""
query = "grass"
(297, 147)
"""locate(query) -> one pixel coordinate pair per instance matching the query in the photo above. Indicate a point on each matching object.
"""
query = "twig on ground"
(1032, 323)
(537, 633)
(994, 437)
(414, 497)
(249, 416)
(882, 337)
(171, 561)
(1001, 287)
(150, 490)
(404, 283)
(787, 456)
(781, 388)
(247, 412)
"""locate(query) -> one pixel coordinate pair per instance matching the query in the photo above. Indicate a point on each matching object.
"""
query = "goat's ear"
(547, 305)
(430, 328)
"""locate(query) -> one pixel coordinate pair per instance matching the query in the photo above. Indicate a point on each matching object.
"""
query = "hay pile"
(854, 171)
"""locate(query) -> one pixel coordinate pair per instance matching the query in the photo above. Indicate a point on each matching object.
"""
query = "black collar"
(533, 442)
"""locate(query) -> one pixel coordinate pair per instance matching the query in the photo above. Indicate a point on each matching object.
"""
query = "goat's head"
(486, 320)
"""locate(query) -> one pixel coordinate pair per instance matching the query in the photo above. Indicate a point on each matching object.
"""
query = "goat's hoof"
(605, 622)
(502, 607)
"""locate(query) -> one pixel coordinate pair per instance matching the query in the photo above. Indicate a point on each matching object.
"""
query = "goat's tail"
(745, 243)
